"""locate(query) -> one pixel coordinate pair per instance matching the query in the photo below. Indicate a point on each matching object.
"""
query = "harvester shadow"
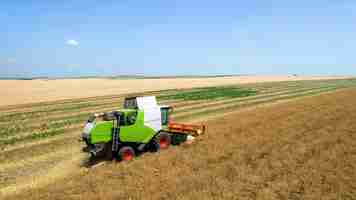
(91, 161)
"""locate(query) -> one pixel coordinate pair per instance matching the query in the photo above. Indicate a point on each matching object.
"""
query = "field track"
(45, 135)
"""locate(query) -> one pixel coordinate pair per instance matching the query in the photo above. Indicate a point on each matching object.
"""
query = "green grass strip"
(237, 106)
(210, 93)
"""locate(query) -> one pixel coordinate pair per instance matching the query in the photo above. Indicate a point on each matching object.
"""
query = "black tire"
(162, 141)
(108, 151)
(126, 153)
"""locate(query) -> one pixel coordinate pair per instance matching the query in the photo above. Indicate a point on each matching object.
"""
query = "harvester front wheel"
(126, 153)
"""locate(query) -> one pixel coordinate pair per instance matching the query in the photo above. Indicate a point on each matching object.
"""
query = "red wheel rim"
(163, 143)
(127, 155)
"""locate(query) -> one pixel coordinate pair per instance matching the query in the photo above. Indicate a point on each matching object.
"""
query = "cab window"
(130, 118)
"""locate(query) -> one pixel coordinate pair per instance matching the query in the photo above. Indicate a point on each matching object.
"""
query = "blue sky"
(162, 37)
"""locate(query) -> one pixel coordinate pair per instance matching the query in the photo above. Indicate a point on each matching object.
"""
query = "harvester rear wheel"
(126, 153)
(108, 151)
(162, 141)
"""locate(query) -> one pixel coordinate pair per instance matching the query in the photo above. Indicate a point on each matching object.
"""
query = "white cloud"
(11, 60)
(8, 60)
(72, 42)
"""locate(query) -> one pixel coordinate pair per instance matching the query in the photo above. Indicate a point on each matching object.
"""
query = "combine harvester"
(141, 126)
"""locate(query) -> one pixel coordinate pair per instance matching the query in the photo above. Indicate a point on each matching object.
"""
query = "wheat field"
(40, 150)
(302, 149)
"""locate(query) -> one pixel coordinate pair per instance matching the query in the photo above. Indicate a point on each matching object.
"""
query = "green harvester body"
(141, 125)
(135, 132)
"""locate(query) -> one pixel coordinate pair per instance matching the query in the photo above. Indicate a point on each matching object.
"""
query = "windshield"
(128, 119)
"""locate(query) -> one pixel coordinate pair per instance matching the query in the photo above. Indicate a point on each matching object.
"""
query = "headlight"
(87, 128)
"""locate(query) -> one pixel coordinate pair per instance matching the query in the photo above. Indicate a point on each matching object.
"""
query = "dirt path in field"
(302, 149)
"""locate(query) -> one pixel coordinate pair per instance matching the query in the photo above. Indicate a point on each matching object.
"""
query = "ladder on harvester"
(115, 133)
